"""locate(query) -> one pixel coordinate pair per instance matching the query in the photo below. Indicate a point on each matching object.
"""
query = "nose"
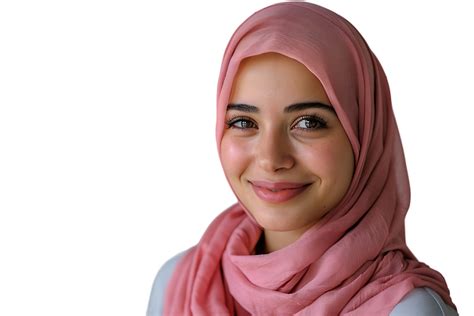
(273, 151)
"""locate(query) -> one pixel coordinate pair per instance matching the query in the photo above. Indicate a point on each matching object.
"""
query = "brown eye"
(241, 123)
(310, 123)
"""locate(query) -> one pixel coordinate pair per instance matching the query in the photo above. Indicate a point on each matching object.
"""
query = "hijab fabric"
(355, 260)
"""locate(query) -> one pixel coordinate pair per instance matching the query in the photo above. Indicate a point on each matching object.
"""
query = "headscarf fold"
(355, 260)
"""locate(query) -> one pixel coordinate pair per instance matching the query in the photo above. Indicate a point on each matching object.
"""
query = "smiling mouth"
(278, 192)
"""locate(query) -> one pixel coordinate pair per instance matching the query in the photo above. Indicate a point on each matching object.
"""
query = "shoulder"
(423, 301)
(157, 295)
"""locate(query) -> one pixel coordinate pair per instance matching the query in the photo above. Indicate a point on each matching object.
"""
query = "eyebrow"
(289, 109)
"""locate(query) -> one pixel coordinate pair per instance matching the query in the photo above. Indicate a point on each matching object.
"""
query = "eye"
(241, 123)
(310, 122)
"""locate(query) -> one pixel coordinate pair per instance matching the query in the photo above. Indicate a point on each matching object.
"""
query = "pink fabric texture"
(355, 261)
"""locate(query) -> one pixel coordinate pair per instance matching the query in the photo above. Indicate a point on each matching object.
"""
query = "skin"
(304, 146)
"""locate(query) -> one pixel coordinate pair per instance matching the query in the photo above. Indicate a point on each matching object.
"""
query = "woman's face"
(283, 150)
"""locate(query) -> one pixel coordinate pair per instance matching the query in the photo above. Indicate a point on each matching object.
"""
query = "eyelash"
(314, 118)
(231, 123)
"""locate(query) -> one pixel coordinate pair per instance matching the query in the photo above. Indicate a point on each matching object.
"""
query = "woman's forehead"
(275, 78)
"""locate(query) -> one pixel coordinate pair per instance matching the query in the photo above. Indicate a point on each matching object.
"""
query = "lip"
(277, 192)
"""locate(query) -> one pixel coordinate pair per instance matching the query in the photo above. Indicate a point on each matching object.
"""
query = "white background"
(108, 164)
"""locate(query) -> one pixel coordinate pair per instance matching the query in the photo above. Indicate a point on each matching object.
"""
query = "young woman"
(309, 144)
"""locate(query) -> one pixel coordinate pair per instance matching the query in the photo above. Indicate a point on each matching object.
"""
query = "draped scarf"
(355, 260)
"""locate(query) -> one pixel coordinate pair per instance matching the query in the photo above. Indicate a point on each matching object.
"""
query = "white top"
(421, 301)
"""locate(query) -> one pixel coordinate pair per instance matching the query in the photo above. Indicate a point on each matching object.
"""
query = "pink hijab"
(355, 260)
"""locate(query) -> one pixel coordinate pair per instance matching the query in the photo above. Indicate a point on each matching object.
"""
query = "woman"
(309, 145)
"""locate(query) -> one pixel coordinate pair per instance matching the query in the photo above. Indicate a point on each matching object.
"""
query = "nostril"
(272, 152)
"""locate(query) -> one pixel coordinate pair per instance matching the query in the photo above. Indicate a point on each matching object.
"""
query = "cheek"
(331, 160)
(235, 156)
